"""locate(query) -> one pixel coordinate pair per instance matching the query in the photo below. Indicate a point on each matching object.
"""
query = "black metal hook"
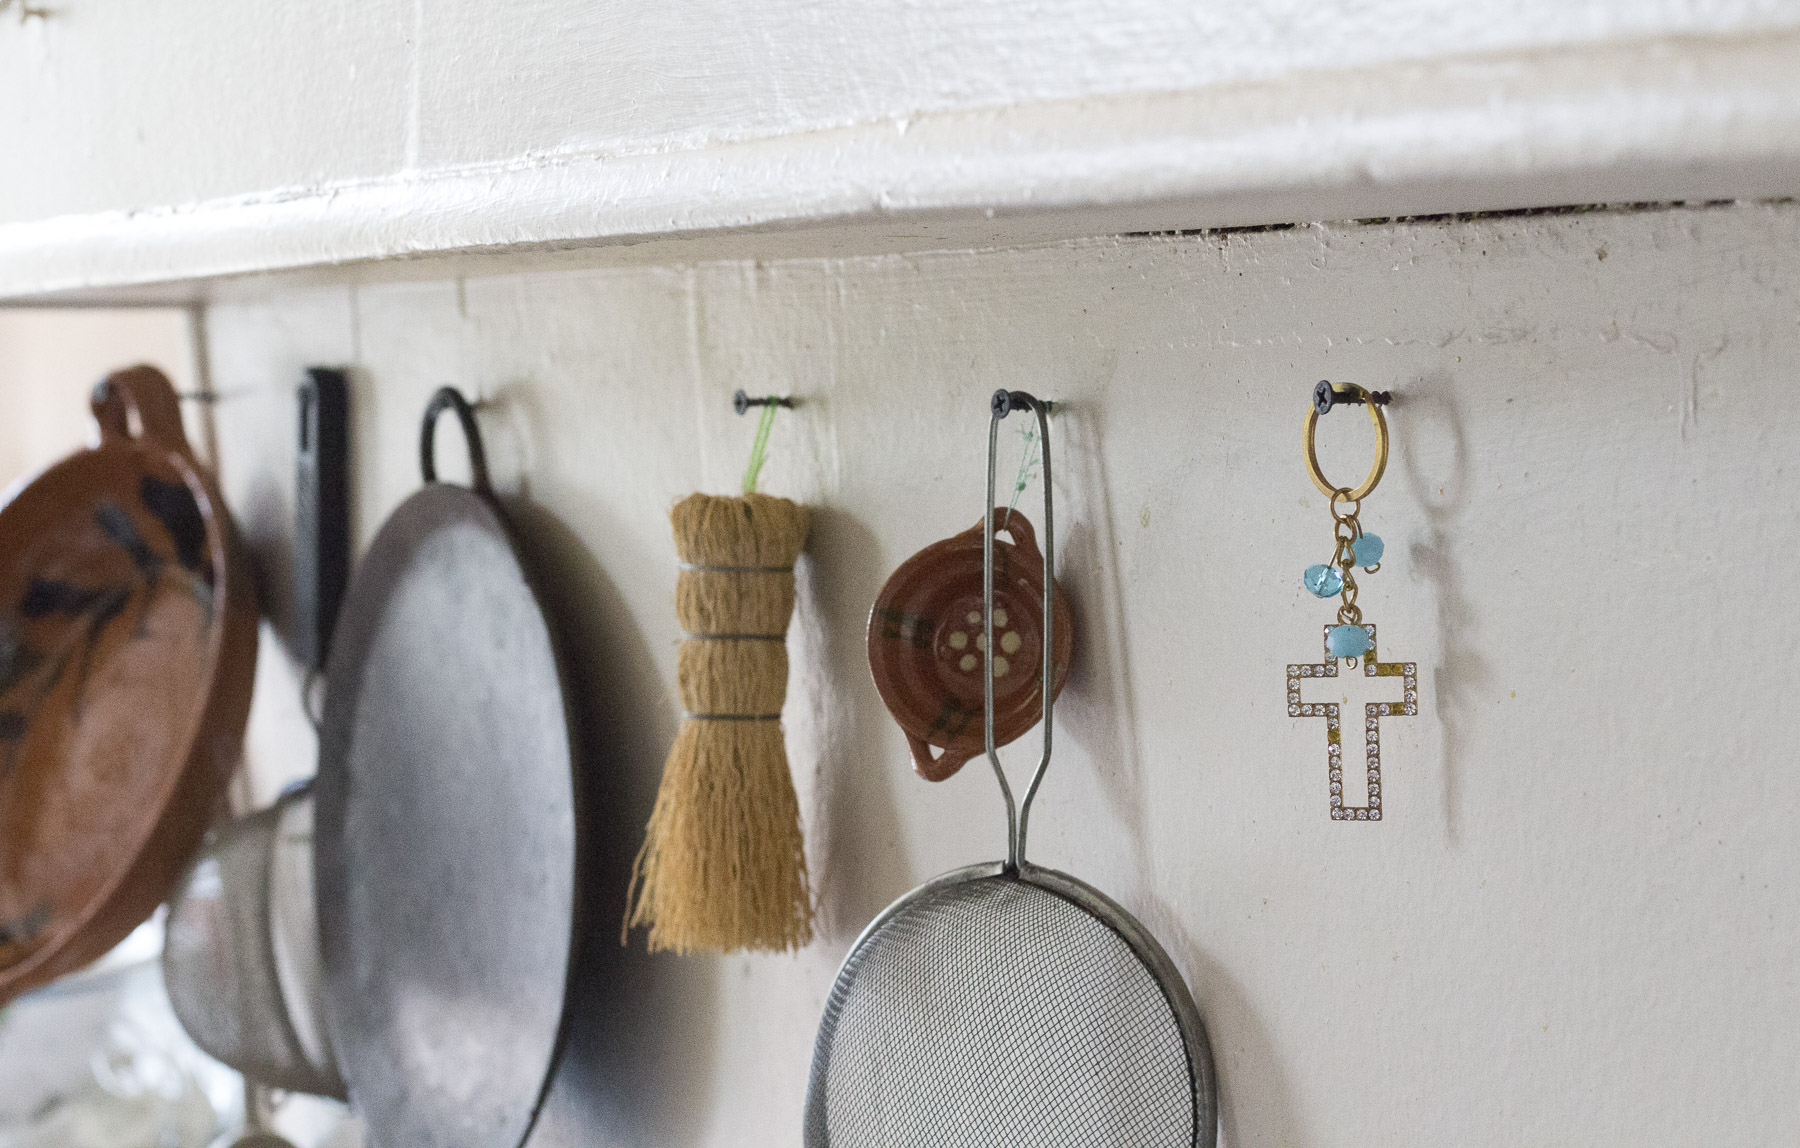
(1327, 394)
(742, 402)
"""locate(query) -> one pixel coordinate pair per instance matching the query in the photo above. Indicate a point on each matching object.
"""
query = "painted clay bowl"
(127, 648)
(926, 644)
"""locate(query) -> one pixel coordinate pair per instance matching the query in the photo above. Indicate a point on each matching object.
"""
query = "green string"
(759, 448)
(1026, 473)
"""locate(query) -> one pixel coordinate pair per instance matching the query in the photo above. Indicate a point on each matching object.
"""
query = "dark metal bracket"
(321, 513)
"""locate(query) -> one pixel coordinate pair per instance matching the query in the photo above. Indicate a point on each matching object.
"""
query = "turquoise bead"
(1347, 642)
(1323, 580)
(1368, 549)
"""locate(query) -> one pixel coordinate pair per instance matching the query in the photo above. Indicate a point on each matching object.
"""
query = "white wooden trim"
(1665, 119)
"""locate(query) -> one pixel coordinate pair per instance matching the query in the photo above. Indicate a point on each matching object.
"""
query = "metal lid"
(445, 832)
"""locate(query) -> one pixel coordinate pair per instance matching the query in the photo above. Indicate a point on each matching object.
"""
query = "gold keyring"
(1381, 446)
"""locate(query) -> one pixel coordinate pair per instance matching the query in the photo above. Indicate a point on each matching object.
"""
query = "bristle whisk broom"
(723, 864)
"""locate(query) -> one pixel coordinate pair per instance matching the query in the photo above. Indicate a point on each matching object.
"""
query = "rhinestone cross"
(1373, 712)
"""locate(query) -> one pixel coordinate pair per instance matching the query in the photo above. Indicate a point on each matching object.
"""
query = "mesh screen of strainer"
(993, 1013)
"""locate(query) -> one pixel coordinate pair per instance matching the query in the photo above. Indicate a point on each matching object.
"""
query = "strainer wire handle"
(1018, 818)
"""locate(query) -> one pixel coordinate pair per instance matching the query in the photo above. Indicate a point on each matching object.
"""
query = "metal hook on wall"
(741, 402)
(209, 398)
(1327, 394)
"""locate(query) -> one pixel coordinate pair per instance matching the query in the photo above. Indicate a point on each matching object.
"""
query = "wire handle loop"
(449, 398)
(1018, 818)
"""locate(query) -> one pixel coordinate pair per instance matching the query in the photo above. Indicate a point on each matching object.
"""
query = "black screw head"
(1001, 404)
(740, 402)
(1323, 396)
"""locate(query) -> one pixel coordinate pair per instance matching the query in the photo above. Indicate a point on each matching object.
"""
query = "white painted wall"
(1576, 925)
(50, 361)
(180, 139)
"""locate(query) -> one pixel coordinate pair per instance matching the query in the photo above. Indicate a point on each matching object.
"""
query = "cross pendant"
(1373, 712)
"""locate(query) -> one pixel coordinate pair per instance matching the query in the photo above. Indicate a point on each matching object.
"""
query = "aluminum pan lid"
(446, 832)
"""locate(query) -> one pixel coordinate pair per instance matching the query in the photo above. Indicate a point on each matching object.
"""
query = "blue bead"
(1323, 580)
(1368, 549)
(1347, 642)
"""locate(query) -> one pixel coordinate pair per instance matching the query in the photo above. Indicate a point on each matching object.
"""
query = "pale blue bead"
(1347, 642)
(1368, 549)
(1323, 580)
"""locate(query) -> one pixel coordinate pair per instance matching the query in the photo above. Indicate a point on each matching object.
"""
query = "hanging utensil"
(227, 944)
(127, 652)
(723, 866)
(1007, 1005)
(927, 651)
(446, 830)
(294, 934)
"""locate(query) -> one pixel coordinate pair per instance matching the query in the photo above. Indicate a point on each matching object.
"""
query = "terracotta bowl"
(127, 647)
(925, 638)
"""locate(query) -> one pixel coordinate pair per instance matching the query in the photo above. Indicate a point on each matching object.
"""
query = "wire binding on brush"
(734, 638)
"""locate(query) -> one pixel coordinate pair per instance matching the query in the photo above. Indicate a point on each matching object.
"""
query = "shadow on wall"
(1432, 428)
(264, 518)
(1098, 710)
(1246, 1053)
(639, 1029)
(856, 840)
(1098, 707)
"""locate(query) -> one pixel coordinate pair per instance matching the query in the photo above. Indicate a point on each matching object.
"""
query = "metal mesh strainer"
(1006, 1005)
(219, 962)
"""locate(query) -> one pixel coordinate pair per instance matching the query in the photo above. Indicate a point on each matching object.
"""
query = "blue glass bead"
(1347, 642)
(1323, 580)
(1368, 549)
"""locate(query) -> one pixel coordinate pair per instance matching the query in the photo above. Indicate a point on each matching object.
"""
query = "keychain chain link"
(1347, 530)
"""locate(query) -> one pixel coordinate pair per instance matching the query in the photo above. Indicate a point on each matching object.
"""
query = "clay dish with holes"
(127, 649)
(925, 644)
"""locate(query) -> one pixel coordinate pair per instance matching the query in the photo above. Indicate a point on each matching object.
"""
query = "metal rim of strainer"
(1196, 1047)
(1143, 945)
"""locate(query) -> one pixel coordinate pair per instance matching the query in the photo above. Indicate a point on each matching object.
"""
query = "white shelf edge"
(1656, 120)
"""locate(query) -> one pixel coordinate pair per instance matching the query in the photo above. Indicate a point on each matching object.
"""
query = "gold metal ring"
(1379, 420)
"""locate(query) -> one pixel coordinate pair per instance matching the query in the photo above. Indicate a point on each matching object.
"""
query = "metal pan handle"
(1004, 403)
(449, 398)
